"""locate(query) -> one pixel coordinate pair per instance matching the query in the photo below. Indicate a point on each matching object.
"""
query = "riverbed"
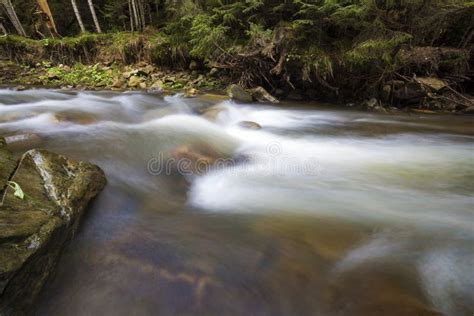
(322, 211)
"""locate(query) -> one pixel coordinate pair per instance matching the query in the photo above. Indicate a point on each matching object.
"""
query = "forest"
(315, 49)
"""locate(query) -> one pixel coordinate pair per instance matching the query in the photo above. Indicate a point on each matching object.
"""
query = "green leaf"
(18, 191)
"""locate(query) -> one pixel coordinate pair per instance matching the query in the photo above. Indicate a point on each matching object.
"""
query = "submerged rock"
(74, 116)
(250, 125)
(23, 141)
(36, 228)
(238, 93)
(212, 113)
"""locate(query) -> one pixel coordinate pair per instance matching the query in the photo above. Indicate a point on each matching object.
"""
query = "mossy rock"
(36, 228)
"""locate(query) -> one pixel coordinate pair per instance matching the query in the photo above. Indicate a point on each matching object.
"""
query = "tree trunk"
(135, 15)
(3, 29)
(132, 28)
(44, 6)
(141, 5)
(94, 16)
(13, 17)
(78, 16)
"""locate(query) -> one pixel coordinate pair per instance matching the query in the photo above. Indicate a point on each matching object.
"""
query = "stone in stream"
(191, 93)
(196, 159)
(262, 95)
(238, 93)
(250, 125)
(22, 141)
(73, 116)
(212, 113)
(35, 229)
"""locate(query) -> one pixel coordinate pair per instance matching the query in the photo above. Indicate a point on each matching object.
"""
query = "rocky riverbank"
(427, 94)
(43, 198)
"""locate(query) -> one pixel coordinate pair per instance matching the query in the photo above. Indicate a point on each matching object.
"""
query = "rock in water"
(250, 125)
(36, 228)
(262, 95)
(238, 93)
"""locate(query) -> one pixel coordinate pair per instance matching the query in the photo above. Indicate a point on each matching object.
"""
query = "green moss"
(79, 74)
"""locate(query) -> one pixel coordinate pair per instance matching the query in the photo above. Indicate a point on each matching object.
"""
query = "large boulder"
(35, 228)
(238, 93)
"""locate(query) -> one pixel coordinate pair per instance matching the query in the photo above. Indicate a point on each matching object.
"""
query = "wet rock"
(20, 88)
(191, 93)
(134, 81)
(213, 112)
(23, 141)
(262, 95)
(142, 85)
(16, 115)
(195, 160)
(36, 228)
(250, 125)
(238, 93)
(77, 117)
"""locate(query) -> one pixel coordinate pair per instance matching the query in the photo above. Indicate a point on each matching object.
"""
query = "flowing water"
(323, 211)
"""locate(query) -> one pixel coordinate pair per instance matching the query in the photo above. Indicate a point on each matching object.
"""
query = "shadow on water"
(332, 212)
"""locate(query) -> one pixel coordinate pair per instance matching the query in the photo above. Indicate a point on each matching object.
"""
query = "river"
(322, 211)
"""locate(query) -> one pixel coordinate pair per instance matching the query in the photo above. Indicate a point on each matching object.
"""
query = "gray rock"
(262, 95)
(238, 93)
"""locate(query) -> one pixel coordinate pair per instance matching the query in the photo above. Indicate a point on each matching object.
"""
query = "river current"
(322, 211)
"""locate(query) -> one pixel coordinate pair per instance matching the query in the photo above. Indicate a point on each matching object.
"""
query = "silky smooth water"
(323, 211)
